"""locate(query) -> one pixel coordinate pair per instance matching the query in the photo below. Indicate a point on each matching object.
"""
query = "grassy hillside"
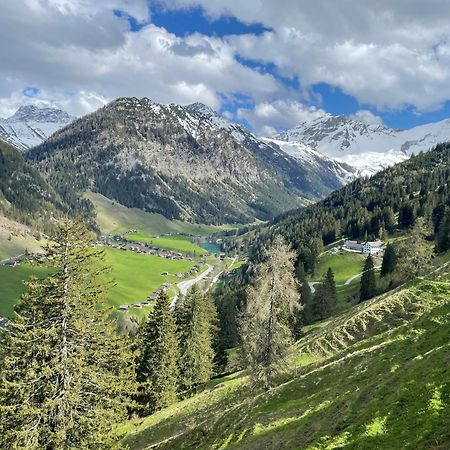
(377, 376)
(12, 284)
(112, 217)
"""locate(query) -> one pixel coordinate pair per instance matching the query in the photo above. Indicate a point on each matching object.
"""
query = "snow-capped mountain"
(369, 148)
(308, 156)
(31, 125)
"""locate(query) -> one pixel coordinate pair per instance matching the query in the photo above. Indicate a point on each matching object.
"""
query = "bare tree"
(272, 302)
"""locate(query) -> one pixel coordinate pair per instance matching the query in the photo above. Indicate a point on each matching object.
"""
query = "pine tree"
(389, 260)
(325, 297)
(368, 281)
(271, 303)
(65, 376)
(156, 368)
(443, 233)
(195, 323)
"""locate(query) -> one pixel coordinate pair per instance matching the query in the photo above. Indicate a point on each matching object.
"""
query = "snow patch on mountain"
(31, 124)
(308, 156)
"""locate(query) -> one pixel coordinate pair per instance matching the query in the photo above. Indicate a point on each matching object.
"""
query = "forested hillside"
(26, 197)
(370, 208)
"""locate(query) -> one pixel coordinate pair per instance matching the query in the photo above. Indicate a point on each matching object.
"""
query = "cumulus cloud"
(386, 54)
(367, 117)
(267, 118)
(82, 47)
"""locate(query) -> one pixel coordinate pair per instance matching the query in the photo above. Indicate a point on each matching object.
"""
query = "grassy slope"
(378, 376)
(15, 238)
(12, 284)
(176, 243)
(343, 264)
(136, 277)
(113, 217)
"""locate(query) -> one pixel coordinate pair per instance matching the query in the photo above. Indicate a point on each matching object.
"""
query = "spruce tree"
(325, 297)
(368, 281)
(157, 362)
(443, 233)
(389, 260)
(65, 376)
(271, 303)
(195, 323)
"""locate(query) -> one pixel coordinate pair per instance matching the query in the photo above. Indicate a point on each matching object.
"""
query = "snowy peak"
(33, 113)
(369, 148)
(31, 124)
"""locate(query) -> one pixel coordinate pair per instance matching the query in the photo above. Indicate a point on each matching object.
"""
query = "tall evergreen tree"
(325, 297)
(368, 281)
(389, 260)
(157, 369)
(443, 233)
(195, 322)
(271, 303)
(65, 376)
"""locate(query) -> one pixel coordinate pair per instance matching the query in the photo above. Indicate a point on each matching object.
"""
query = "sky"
(269, 64)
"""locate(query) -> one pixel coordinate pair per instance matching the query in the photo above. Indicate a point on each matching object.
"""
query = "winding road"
(185, 285)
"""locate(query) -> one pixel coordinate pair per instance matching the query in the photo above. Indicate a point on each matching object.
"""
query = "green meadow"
(12, 284)
(180, 244)
(344, 265)
(135, 276)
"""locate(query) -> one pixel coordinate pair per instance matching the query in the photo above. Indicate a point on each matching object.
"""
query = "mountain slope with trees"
(368, 208)
(355, 382)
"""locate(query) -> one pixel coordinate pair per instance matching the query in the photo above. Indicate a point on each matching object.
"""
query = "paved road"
(185, 285)
(312, 283)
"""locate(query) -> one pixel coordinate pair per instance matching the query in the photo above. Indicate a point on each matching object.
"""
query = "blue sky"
(268, 64)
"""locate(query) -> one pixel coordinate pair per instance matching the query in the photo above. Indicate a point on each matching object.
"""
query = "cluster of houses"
(368, 247)
(119, 242)
(150, 298)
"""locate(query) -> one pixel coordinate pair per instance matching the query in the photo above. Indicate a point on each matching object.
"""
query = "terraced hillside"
(378, 376)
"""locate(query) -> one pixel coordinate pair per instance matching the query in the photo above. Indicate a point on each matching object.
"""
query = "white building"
(372, 247)
(369, 247)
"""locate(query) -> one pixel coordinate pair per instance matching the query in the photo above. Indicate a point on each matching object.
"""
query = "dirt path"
(312, 283)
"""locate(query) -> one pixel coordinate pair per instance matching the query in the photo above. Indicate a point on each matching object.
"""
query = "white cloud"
(389, 54)
(367, 117)
(269, 117)
(73, 48)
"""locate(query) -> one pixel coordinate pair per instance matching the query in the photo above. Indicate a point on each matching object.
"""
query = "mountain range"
(368, 148)
(191, 163)
(186, 163)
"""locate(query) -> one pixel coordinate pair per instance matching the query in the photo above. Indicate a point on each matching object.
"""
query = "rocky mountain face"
(183, 162)
(368, 148)
(327, 173)
(31, 125)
